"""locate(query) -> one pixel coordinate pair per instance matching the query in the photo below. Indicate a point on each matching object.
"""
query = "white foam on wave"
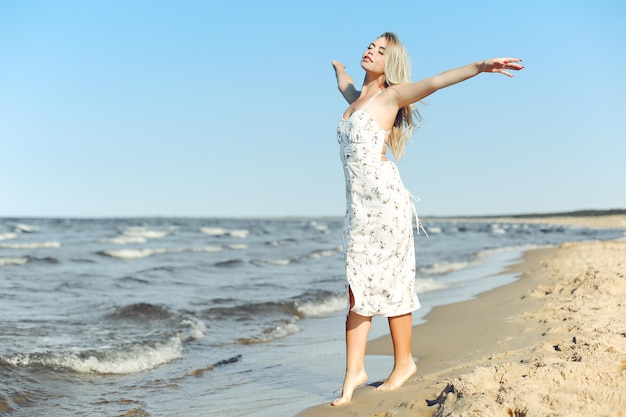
(207, 249)
(32, 245)
(242, 233)
(13, 261)
(444, 267)
(336, 302)
(7, 236)
(146, 233)
(120, 360)
(279, 242)
(138, 234)
(323, 253)
(144, 253)
(318, 226)
(133, 253)
(123, 240)
(24, 228)
(423, 285)
(237, 246)
(273, 333)
(498, 229)
(218, 231)
(281, 262)
(127, 361)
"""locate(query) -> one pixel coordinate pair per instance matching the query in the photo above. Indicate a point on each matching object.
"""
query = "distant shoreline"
(576, 213)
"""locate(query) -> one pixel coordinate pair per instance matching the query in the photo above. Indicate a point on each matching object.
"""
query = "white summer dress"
(378, 224)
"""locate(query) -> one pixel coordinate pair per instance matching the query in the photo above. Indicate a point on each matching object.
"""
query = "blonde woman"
(378, 225)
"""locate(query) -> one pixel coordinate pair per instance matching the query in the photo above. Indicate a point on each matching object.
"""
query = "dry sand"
(552, 343)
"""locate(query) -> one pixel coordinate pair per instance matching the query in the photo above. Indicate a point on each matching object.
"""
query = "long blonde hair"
(398, 71)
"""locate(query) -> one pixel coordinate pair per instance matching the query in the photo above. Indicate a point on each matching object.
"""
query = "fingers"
(510, 64)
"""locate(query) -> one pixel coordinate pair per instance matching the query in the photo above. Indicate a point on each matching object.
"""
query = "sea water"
(205, 317)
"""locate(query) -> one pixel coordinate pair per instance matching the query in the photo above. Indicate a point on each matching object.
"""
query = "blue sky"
(198, 108)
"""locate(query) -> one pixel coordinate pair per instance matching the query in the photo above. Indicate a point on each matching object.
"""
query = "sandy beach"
(553, 343)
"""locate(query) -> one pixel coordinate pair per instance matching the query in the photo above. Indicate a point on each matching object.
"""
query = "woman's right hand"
(501, 65)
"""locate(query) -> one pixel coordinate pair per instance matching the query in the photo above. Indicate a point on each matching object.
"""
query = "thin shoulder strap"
(372, 98)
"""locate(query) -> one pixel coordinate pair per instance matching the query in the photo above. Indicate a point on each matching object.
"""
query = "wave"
(323, 303)
(161, 334)
(445, 267)
(423, 285)
(13, 261)
(24, 228)
(280, 262)
(319, 226)
(133, 253)
(218, 231)
(144, 253)
(308, 304)
(498, 229)
(316, 254)
(273, 333)
(144, 232)
(123, 360)
(138, 234)
(124, 240)
(140, 311)
(321, 253)
(230, 263)
(46, 260)
(8, 236)
(280, 242)
(206, 249)
(33, 245)
(237, 246)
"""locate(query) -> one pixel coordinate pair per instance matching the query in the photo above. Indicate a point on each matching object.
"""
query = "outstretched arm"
(345, 83)
(413, 92)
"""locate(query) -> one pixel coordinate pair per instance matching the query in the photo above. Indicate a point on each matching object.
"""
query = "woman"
(378, 226)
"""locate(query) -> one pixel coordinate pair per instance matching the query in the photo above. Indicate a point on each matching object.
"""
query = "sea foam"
(218, 231)
(122, 359)
(319, 308)
(32, 245)
(13, 261)
(7, 236)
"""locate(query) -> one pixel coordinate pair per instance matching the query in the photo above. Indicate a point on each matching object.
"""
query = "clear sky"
(230, 108)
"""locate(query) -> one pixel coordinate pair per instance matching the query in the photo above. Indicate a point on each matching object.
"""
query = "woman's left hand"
(501, 65)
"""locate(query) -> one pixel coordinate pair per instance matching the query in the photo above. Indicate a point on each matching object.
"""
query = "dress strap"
(372, 98)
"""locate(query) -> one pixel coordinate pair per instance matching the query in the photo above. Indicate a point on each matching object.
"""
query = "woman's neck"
(373, 84)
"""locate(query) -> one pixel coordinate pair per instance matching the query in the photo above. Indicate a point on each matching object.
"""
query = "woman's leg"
(401, 328)
(357, 329)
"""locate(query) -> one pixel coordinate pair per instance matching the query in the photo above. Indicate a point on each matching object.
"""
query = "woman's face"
(374, 57)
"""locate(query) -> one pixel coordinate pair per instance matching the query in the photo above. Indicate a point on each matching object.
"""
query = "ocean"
(208, 316)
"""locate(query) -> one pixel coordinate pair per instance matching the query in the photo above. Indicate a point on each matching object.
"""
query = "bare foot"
(350, 382)
(398, 377)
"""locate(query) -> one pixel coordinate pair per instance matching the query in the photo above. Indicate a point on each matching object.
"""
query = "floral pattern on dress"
(378, 224)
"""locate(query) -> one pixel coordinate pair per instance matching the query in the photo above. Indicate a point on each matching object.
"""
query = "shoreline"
(530, 348)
